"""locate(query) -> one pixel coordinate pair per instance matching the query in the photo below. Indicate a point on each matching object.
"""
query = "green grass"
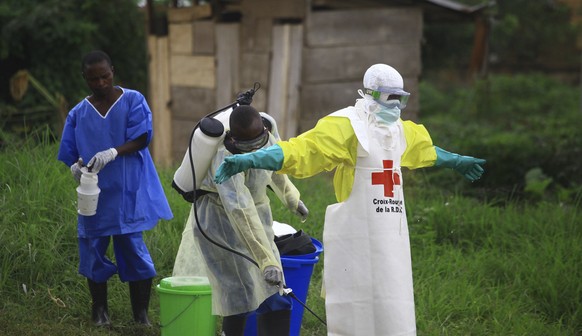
(480, 267)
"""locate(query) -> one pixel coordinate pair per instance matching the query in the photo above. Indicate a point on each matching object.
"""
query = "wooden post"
(294, 84)
(227, 63)
(478, 64)
(285, 78)
(159, 98)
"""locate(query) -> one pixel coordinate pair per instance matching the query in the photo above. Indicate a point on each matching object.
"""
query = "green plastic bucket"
(186, 307)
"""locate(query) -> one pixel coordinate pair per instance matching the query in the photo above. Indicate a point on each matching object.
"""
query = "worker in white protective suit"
(237, 215)
(367, 263)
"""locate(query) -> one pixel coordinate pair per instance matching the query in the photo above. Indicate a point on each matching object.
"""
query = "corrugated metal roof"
(458, 7)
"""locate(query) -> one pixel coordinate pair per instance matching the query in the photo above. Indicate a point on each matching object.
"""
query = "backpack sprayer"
(207, 134)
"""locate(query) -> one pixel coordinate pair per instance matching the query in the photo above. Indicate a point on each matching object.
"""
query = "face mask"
(387, 114)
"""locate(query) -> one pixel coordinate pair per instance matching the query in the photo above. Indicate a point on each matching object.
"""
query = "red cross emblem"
(388, 178)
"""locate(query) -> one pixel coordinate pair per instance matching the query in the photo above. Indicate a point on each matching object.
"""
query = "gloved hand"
(101, 159)
(468, 166)
(270, 158)
(273, 275)
(302, 211)
(76, 170)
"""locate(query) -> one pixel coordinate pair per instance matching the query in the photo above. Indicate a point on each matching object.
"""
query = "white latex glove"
(302, 211)
(76, 170)
(101, 159)
(273, 275)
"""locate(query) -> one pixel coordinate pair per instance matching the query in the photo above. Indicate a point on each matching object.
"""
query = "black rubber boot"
(233, 325)
(99, 312)
(274, 323)
(139, 293)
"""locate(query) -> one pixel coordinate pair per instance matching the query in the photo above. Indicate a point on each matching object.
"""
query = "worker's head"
(97, 71)
(385, 86)
(383, 94)
(247, 131)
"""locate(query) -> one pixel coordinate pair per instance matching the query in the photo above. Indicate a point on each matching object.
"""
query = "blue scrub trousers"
(134, 261)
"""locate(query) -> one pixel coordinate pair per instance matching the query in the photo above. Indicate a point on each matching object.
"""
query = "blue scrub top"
(132, 198)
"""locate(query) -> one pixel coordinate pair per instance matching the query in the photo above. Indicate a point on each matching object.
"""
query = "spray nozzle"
(246, 98)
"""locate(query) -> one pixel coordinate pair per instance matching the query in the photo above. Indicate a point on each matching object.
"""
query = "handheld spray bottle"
(88, 193)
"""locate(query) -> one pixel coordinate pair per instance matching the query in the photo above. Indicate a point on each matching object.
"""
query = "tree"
(49, 38)
(534, 35)
(525, 36)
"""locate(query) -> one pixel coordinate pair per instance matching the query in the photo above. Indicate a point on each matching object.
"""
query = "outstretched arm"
(270, 158)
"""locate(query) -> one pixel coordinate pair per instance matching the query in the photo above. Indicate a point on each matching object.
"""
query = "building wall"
(340, 45)
(308, 62)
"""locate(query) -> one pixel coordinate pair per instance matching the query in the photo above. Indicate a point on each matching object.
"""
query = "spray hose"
(244, 98)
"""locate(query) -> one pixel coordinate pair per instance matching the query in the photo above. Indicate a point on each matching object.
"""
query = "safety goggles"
(389, 96)
(246, 146)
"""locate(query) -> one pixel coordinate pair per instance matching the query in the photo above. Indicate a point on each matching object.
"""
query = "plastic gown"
(236, 214)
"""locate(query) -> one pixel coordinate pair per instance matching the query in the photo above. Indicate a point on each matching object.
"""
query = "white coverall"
(367, 266)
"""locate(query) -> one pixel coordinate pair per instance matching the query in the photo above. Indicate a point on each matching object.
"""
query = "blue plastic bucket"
(298, 270)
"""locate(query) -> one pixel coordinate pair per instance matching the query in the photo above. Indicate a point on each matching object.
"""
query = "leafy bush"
(518, 123)
(48, 39)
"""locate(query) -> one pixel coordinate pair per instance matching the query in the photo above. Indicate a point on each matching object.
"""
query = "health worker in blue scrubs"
(108, 133)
